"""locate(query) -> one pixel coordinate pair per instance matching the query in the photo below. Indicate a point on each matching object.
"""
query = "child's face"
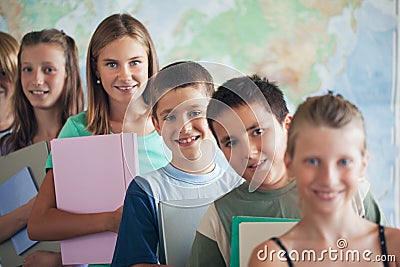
(327, 164)
(254, 142)
(43, 74)
(182, 123)
(6, 89)
(122, 67)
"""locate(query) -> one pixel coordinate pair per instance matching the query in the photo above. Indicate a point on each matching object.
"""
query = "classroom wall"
(307, 46)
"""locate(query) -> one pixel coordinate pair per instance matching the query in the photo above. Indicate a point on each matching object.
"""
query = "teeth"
(125, 88)
(326, 195)
(38, 92)
(257, 164)
(187, 140)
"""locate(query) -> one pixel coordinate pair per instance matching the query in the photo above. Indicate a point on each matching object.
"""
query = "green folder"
(260, 225)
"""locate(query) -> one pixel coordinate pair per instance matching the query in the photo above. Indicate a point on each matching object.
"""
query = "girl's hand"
(43, 259)
(115, 219)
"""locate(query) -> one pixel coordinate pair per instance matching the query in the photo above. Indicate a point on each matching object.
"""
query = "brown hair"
(180, 74)
(110, 29)
(327, 110)
(9, 55)
(71, 100)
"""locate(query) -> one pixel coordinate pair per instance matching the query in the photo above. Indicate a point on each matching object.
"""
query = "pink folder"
(91, 175)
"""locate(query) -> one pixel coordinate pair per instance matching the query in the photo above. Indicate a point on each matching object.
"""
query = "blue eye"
(195, 113)
(312, 161)
(134, 63)
(49, 70)
(2, 73)
(111, 64)
(26, 69)
(345, 162)
(169, 118)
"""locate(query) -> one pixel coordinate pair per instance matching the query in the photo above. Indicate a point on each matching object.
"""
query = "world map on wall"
(307, 46)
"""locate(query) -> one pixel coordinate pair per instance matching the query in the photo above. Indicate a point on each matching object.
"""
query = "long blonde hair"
(110, 29)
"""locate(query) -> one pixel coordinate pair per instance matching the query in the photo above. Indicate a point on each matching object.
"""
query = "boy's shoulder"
(233, 196)
(147, 182)
(241, 197)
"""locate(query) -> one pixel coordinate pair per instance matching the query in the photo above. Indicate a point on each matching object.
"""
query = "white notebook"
(178, 222)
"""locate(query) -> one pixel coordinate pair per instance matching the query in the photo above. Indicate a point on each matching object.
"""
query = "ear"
(365, 162)
(287, 121)
(288, 163)
(156, 125)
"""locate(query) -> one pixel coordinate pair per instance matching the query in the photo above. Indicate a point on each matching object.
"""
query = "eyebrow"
(165, 112)
(198, 106)
(252, 127)
(225, 139)
(113, 59)
(41, 63)
(228, 137)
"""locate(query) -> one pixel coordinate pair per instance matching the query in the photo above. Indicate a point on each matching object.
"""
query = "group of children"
(279, 166)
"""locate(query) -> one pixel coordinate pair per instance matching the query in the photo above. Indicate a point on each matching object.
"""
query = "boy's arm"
(138, 236)
(373, 211)
(205, 252)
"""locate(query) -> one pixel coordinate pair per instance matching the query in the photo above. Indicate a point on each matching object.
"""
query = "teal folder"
(15, 192)
(248, 232)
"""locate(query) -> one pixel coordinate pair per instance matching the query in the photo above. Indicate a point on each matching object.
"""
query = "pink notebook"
(91, 175)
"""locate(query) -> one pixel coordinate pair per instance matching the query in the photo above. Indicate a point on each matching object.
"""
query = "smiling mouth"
(38, 92)
(125, 88)
(324, 195)
(188, 140)
(256, 165)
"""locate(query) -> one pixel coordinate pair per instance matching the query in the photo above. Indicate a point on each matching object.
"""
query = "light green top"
(152, 153)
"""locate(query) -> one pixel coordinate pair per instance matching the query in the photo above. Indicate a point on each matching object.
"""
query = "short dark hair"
(177, 75)
(247, 90)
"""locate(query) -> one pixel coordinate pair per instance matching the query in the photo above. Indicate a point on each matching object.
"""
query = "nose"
(125, 73)
(186, 127)
(37, 78)
(251, 148)
(328, 174)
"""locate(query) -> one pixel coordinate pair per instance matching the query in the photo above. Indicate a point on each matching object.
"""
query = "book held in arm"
(91, 175)
(14, 193)
(34, 157)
